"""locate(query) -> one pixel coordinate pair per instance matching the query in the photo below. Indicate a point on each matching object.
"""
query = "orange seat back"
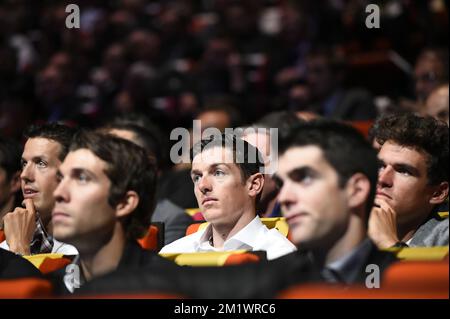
(2, 236)
(154, 238)
(239, 259)
(49, 265)
(25, 288)
(429, 279)
(193, 228)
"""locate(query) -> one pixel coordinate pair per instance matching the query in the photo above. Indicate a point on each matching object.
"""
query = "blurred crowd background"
(172, 59)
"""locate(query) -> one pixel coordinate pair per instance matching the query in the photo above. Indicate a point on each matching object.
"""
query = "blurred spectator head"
(10, 194)
(324, 72)
(430, 71)
(327, 175)
(144, 45)
(53, 85)
(121, 198)
(436, 105)
(219, 114)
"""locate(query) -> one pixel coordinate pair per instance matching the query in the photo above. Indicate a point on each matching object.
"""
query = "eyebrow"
(212, 166)
(35, 158)
(402, 166)
(300, 172)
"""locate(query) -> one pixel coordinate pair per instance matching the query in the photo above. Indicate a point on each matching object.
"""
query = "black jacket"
(13, 266)
(260, 280)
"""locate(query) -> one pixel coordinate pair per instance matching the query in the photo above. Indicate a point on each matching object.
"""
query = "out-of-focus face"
(262, 142)
(217, 119)
(403, 182)
(319, 77)
(8, 187)
(40, 162)
(427, 76)
(221, 193)
(314, 205)
(5, 192)
(437, 104)
(82, 212)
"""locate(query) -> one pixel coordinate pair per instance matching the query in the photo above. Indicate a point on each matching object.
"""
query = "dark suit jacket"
(261, 280)
(133, 258)
(13, 266)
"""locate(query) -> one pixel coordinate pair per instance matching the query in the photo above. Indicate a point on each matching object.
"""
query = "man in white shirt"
(228, 184)
(29, 230)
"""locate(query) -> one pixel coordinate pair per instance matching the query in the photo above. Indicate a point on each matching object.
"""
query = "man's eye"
(219, 173)
(41, 164)
(404, 172)
(24, 164)
(83, 178)
(195, 178)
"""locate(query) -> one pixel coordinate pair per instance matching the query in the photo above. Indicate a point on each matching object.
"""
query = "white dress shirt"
(255, 236)
(58, 248)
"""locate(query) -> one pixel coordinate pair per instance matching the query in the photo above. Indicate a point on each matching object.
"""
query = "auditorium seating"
(47, 263)
(278, 223)
(154, 238)
(25, 288)
(216, 258)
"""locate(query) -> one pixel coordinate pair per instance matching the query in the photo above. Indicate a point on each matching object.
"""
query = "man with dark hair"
(412, 182)
(103, 205)
(29, 230)
(226, 172)
(175, 219)
(10, 194)
(327, 176)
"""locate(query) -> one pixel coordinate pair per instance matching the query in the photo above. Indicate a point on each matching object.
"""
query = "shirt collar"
(246, 238)
(348, 266)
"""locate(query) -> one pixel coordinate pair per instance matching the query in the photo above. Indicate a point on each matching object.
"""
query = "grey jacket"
(434, 232)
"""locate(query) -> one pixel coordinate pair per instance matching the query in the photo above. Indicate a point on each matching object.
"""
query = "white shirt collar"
(246, 238)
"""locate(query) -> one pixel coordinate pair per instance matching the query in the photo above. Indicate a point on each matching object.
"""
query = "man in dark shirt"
(103, 202)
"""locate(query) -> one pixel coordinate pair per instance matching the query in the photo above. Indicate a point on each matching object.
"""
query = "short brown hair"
(128, 169)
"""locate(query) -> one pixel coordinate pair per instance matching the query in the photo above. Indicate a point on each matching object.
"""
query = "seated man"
(29, 230)
(412, 182)
(228, 185)
(327, 175)
(10, 193)
(103, 204)
(174, 217)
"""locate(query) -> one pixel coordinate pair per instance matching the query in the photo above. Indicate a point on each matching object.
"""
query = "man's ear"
(255, 184)
(15, 183)
(358, 190)
(440, 194)
(128, 204)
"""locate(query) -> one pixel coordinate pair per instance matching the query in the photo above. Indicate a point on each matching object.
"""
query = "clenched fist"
(19, 227)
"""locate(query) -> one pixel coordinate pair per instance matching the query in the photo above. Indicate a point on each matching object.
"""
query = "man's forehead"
(214, 155)
(393, 153)
(300, 156)
(83, 159)
(43, 147)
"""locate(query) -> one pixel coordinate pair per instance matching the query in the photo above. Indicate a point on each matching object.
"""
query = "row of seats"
(411, 280)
